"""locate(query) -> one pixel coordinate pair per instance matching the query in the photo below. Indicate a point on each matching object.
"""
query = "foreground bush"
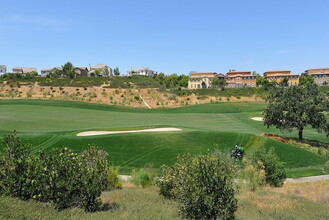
(252, 176)
(113, 178)
(60, 176)
(275, 173)
(203, 186)
(142, 178)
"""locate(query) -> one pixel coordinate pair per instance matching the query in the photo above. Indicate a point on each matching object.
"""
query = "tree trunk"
(300, 134)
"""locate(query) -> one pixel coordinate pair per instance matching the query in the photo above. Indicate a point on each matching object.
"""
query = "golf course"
(48, 124)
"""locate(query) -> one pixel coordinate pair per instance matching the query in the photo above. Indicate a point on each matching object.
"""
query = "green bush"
(252, 177)
(60, 176)
(203, 186)
(113, 179)
(275, 172)
(142, 178)
(14, 168)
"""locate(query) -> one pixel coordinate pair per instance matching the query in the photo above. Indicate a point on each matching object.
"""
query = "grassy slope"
(48, 124)
(131, 151)
(288, 202)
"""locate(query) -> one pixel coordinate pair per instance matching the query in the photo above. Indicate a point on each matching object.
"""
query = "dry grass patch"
(316, 191)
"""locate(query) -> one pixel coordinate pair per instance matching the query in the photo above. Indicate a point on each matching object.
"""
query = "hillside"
(154, 97)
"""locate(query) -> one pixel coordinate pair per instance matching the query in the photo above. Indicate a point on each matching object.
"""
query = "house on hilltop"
(81, 71)
(236, 79)
(278, 76)
(102, 69)
(24, 70)
(142, 71)
(203, 80)
(46, 72)
(3, 69)
(321, 75)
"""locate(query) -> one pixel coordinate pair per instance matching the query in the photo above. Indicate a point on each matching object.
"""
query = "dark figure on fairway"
(238, 152)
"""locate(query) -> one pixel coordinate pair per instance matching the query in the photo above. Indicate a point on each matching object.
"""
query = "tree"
(260, 81)
(304, 80)
(295, 107)
(68, 70)
(215, 82)
(116, 71)
(284, 82)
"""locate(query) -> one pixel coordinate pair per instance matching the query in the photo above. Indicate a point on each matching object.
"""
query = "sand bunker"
(257, 119)
(91, 133)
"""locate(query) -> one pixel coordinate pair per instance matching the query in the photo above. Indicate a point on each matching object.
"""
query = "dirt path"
(91, 133)
(140, 96)
(307, 179)
(288, 180)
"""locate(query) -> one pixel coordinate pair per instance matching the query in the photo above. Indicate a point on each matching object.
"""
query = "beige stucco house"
(203, 80)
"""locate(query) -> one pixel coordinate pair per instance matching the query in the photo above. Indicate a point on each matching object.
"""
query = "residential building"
(278, 76)
(203, 80)
(143, 71)
(24, 70)
(47, 71)
(237, 79)
(3, 69)
(103, 70)
(81, 71)
(321, 75)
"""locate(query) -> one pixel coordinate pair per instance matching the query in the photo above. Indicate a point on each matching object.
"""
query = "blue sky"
(170, 36)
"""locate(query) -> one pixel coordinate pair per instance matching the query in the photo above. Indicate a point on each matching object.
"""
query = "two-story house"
(203, 80)
(48, 71)
(278, 76)
(103, 70)
(143, 71)
(321, 75)
(24, 70)
(3, 69)
(81, 71)
(236, 79)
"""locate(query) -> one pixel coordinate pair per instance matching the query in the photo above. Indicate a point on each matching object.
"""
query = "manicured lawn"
(49, 124)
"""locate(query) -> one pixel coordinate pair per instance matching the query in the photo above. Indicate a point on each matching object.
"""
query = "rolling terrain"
(47, 124)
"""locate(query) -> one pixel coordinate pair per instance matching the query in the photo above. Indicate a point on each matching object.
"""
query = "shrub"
(203, 186)
(142, 178)
(60, 176)
(14, 168)
(113, 179)
(136, 97)
(253, 176)
(275, 172)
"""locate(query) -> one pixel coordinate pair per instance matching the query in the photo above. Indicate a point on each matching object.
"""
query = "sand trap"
(257, 119)
(91, 133)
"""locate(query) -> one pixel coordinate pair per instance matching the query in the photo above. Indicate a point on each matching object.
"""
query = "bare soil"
(110, 96)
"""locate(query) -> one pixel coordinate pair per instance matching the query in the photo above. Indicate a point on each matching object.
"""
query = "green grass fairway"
(49, 124)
